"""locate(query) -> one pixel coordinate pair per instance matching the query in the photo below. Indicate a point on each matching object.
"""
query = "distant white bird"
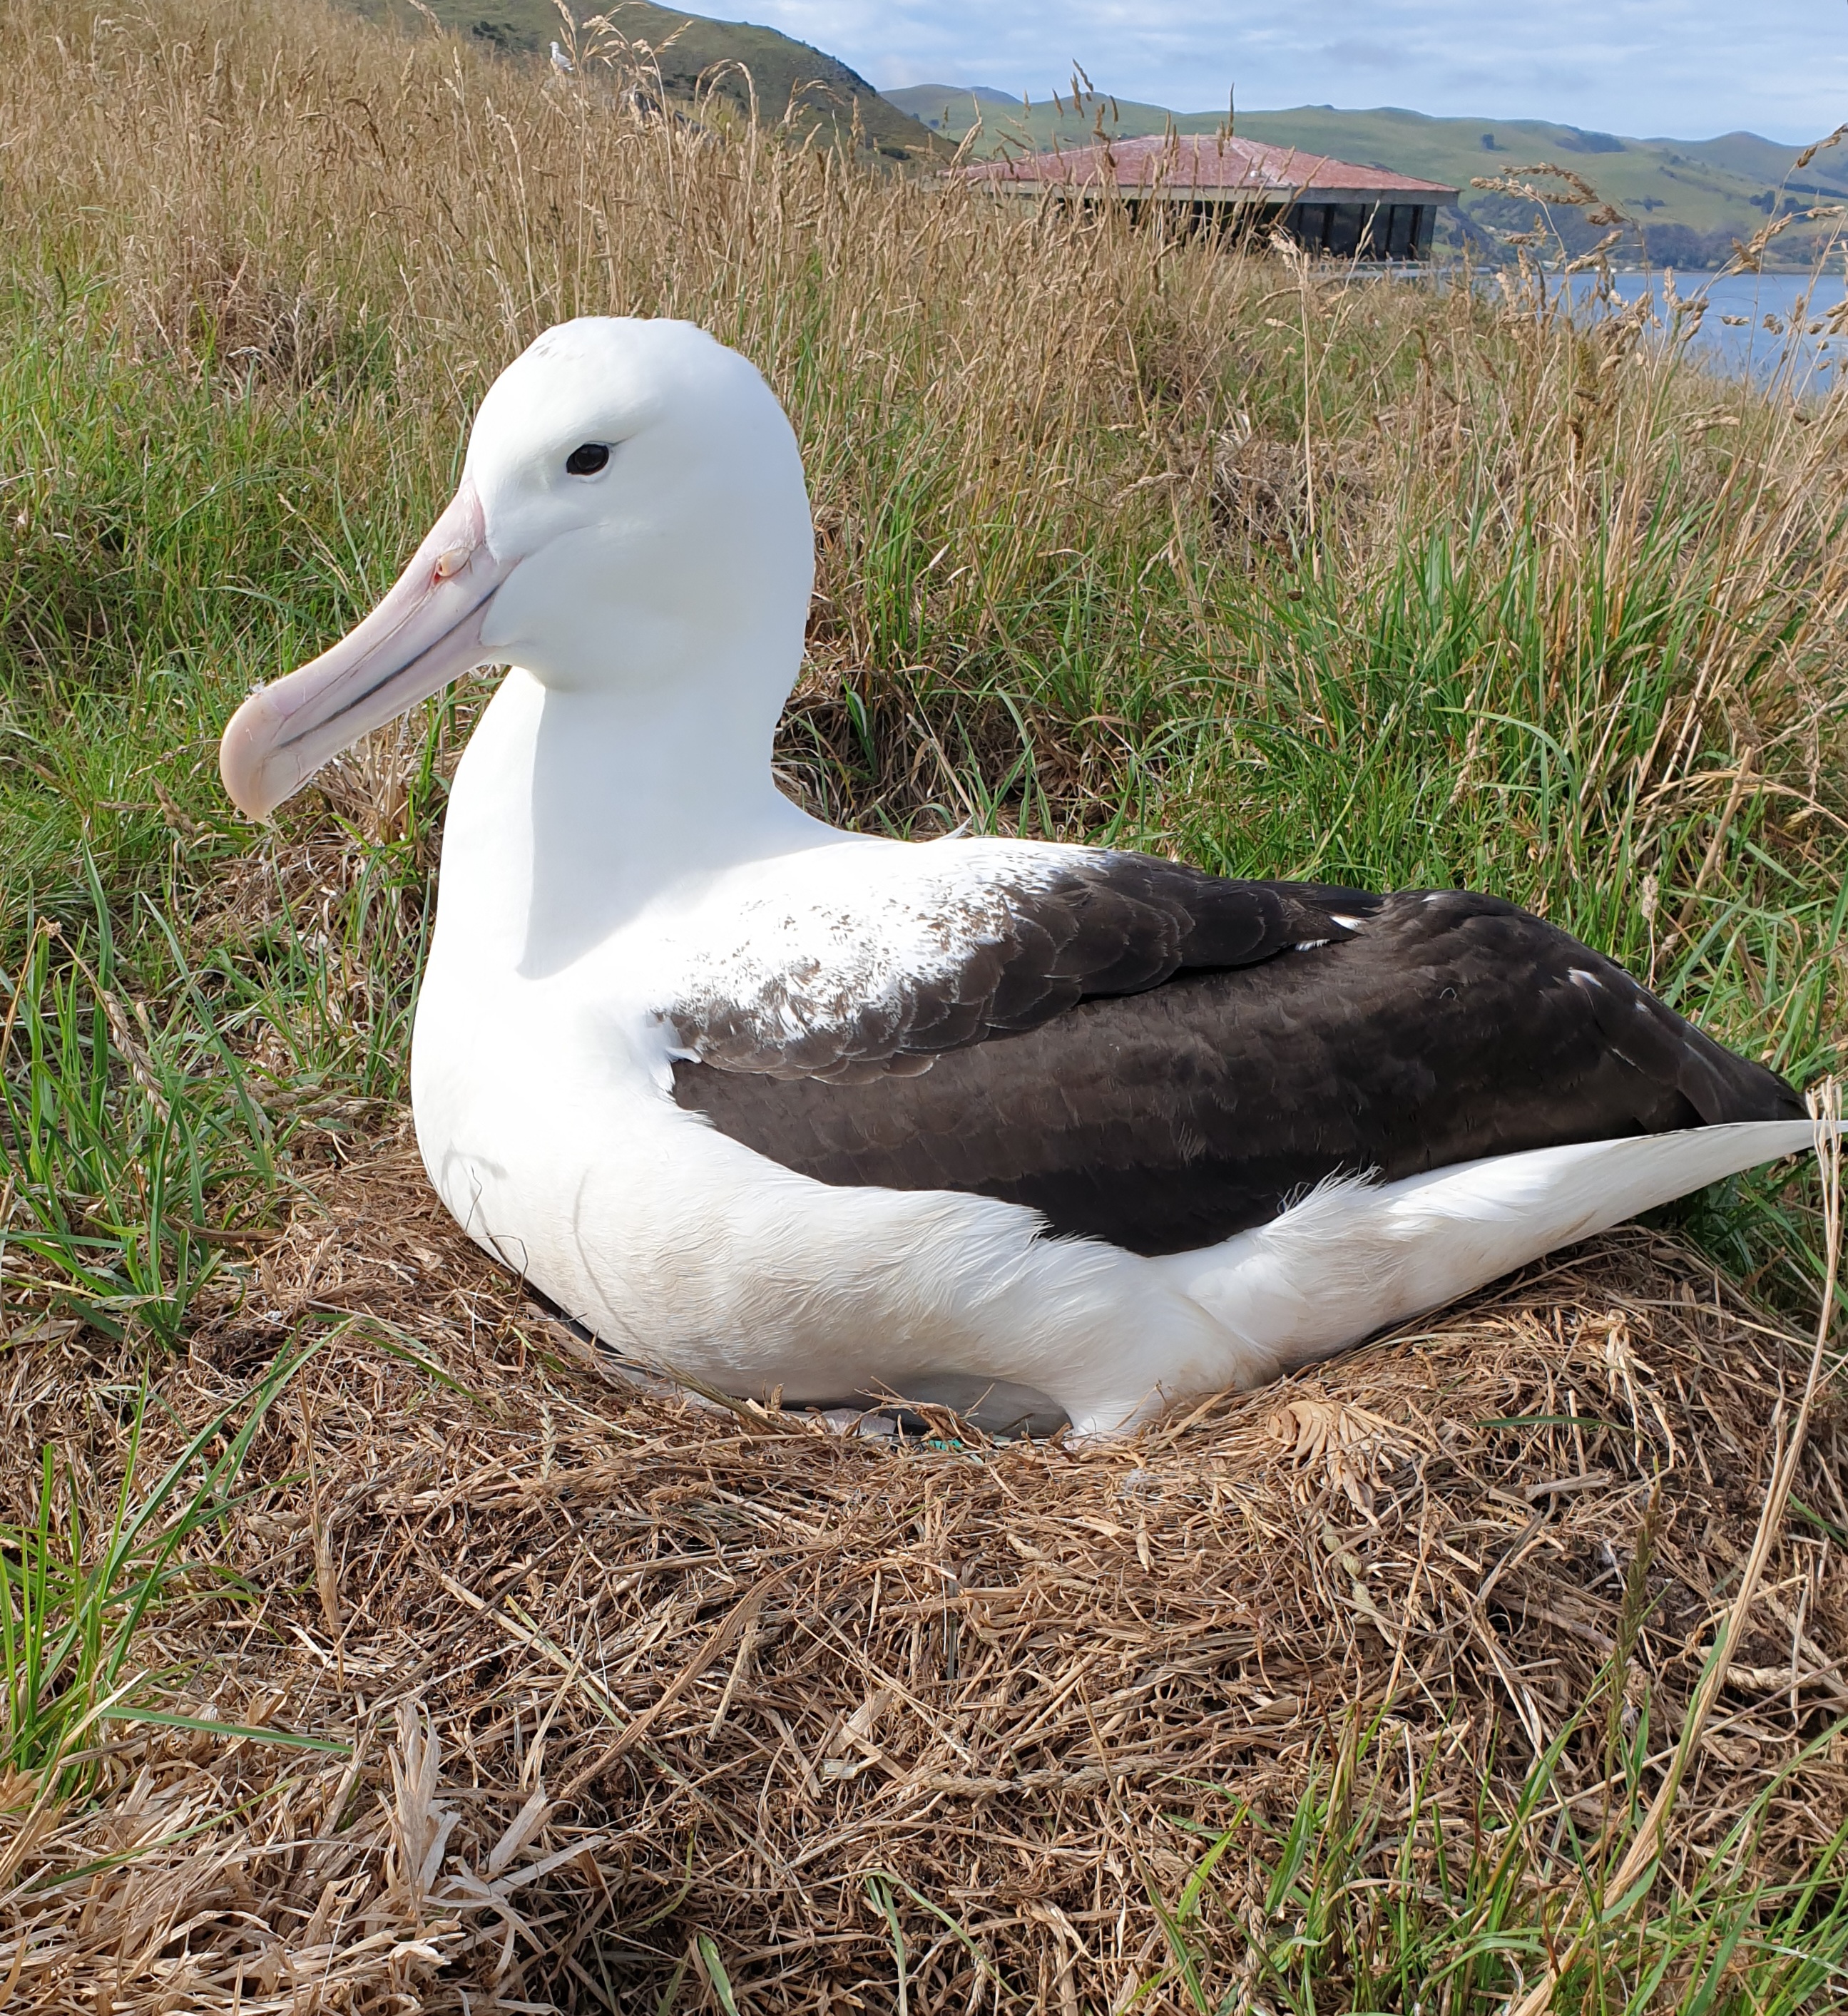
(563, 63)
(783, 1107)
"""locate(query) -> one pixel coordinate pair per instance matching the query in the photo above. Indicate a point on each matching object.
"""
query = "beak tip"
(243, 760)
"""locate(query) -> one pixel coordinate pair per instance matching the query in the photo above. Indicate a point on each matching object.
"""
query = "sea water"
(1734, 335)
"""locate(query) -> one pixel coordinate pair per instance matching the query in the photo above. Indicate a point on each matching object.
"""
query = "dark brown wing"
(1116, 924)
(1436, 1028)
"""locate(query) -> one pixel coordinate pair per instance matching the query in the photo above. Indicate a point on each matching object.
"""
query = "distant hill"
(924, 101)
(1690, 198)
(690, 46)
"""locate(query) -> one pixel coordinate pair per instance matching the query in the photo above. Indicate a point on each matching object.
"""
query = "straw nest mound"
(626, 1678)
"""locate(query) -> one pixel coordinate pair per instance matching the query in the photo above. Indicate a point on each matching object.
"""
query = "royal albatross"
(783, 1107)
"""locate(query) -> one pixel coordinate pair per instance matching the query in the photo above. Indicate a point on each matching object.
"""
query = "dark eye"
(587, 458)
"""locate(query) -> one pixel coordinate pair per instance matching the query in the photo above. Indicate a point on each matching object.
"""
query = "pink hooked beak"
(427, 631)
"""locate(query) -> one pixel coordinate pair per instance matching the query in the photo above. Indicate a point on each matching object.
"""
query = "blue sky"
(1688, 68)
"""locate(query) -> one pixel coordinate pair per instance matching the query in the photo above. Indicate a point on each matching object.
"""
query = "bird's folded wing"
(993, 943)
(1163, 1064)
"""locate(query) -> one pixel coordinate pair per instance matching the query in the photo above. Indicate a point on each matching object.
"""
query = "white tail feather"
(1355, 1257)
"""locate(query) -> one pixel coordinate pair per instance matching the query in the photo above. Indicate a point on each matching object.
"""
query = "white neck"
(573, 811)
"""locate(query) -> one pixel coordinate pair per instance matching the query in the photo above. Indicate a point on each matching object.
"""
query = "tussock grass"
(1121, 538)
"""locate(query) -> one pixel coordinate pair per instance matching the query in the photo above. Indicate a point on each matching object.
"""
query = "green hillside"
(1690, 199)
(689, 48)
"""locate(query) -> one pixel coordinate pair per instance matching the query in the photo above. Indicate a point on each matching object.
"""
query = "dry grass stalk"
(292, 198)
(1721, 1670)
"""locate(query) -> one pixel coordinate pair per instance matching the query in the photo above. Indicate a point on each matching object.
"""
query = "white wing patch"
(841, 948)
(871, 956)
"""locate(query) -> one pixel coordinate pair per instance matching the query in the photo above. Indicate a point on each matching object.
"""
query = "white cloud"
(1691, 68)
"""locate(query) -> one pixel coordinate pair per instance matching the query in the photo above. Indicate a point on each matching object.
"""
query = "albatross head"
(632, 519)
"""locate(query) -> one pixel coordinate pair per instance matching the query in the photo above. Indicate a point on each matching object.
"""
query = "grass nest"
(633, 1700)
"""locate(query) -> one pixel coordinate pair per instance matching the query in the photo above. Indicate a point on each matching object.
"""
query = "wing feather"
(1163, 1113)
(1052, 928)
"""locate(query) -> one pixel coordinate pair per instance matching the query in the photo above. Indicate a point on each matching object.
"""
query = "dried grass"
(622, 1673)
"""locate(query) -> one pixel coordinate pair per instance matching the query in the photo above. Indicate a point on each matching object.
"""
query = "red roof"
(1227, 167)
